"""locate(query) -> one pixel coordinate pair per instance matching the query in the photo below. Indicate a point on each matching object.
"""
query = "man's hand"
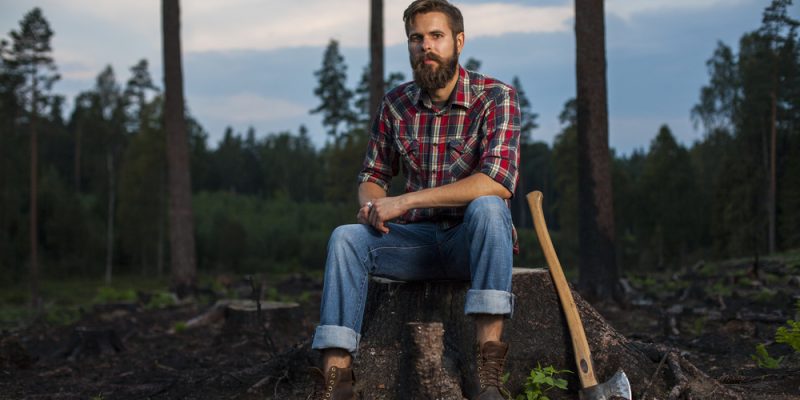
(379, 211)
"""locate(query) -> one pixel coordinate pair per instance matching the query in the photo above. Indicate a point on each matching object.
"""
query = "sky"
(251, 63)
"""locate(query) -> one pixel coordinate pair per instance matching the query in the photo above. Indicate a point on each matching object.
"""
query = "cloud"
(262, 26)
(626, 9)
(246, 108)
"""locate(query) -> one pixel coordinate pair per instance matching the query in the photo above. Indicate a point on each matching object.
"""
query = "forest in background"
(267, 203)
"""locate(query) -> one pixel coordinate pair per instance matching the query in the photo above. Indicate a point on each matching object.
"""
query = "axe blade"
(617, 386)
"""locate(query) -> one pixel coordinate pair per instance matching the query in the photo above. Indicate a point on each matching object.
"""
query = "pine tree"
(31, 58)
(181, 220)
(332, 91)
(527, 116)
(599, 274)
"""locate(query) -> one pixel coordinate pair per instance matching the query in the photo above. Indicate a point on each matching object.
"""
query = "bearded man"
(455, 134)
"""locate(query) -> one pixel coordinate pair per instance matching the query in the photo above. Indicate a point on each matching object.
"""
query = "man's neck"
(442, 95)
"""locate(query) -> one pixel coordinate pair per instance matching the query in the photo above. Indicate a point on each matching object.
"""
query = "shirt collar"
(461, 96)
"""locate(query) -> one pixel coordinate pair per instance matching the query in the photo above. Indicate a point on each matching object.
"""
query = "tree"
(334, 95)
(375, 56)
(472, 64)
(775, 22)
(527, 116)
(669, 226)
(181, 224)
(109, 106)
(31, 58)
(599, 274)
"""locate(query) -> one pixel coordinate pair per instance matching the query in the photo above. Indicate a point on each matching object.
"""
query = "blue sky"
(251, 62)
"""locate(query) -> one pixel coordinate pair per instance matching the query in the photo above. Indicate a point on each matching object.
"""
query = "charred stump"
(537, 334)
(87, 342)
(276, 322)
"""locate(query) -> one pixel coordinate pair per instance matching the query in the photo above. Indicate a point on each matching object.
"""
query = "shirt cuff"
(367, 177)
(506, 177)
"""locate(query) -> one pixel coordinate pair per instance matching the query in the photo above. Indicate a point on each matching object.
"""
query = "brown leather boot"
(337, 385)
(491, 358)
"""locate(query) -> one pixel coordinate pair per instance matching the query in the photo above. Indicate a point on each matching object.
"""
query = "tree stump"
(537, 334)
(91, 342)
(432, 379)
(277, 322)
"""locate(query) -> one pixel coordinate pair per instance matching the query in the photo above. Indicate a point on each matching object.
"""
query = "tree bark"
(34, 205)
(110, 226)
(376, 84)
(598, 272)
(771, 198)
(181, 225)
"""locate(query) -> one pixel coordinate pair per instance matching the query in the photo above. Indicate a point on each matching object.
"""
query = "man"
(455, 133)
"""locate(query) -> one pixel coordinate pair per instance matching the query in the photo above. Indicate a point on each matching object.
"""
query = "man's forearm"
(368, 191)
(456, 194)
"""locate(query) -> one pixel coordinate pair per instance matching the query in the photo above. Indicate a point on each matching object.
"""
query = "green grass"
(62, 299)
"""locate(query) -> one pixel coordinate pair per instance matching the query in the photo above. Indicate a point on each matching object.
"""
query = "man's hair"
(425, 6)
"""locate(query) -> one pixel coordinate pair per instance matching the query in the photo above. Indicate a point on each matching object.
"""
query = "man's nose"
(427, 44)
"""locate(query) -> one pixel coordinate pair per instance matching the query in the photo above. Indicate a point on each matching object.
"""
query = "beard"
(429, 78)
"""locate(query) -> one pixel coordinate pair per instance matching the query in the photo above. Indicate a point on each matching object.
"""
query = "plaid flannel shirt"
(476, 131)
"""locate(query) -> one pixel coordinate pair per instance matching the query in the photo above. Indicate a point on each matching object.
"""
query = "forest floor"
(715, 314)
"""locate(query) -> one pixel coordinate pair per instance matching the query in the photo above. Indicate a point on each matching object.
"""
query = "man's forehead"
(430, 21)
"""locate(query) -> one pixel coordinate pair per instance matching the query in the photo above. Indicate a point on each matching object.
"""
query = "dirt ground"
(714, 314)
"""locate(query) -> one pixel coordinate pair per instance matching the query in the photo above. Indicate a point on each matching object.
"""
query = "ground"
(715, 314)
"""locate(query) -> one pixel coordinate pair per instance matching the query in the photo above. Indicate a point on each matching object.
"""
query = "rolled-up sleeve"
(500, 157)
(381, 156)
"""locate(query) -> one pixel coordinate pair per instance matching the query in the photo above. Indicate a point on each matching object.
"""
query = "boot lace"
(323, 386)
(490, 371)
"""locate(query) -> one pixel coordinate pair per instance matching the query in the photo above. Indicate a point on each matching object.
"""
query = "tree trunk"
(110, 226)
(181, 225)
(376, 88)
(772, 173)
(598, 272)
(34, 206)
(385, 366)
(77, 160)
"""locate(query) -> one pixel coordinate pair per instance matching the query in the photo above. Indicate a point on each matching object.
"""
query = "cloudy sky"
(251, 62)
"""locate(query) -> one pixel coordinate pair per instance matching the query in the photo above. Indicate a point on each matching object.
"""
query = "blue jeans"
(479, 250)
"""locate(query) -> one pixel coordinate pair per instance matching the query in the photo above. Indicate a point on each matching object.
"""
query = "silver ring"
(369, 204)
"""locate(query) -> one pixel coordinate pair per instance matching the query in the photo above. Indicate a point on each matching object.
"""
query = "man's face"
(433, 50)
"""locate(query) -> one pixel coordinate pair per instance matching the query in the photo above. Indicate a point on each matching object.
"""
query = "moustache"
(428, 57)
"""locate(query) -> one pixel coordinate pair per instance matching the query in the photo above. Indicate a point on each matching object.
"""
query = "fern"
(763, 359)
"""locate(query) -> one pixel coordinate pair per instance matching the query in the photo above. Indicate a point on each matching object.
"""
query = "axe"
(618, 385)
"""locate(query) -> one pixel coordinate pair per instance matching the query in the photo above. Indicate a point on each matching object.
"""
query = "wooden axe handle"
(583, 357)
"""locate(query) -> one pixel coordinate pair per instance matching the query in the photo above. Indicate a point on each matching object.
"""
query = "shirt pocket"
(408, 147)
(463, 156)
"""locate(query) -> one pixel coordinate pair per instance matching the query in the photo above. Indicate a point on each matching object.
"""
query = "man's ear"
(459, 42)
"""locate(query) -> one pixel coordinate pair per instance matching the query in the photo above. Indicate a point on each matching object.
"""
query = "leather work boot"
(491, 358)
(337, 385)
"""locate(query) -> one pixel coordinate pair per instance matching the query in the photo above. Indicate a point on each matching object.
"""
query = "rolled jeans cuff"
(495, 302)
(332, 336)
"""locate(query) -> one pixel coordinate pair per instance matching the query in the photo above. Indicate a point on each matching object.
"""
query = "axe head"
(617, 386)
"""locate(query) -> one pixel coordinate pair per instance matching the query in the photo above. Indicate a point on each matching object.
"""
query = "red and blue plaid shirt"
(477, 130)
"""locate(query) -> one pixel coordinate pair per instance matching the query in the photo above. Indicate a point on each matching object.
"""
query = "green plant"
(160, 300)
(542, 380)
(698, 326)
(790, 334)
(721, 289)
(107, 294)
(763, 359)
(179, 327)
